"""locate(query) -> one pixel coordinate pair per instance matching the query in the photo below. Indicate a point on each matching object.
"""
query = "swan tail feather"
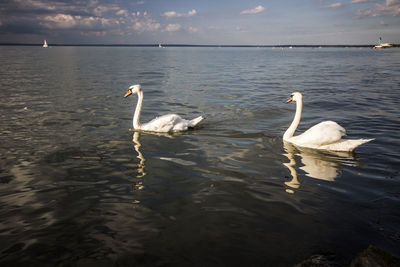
(346, 144)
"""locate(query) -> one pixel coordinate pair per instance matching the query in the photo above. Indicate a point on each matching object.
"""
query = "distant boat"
(160, 46)
(45, 44)
(382, 45)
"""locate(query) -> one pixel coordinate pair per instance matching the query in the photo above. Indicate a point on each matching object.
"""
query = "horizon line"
(195, 45)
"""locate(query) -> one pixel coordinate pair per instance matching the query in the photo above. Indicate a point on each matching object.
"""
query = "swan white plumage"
(163, 124)
(325, 135)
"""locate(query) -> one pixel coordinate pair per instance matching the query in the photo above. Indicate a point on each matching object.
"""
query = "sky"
(207, 22)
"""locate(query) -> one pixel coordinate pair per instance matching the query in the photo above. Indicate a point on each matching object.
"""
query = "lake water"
(78, 188)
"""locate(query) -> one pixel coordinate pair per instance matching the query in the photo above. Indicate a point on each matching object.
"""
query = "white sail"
(45, 44)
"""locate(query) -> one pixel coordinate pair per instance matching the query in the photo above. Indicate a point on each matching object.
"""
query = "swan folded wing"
(165, 123)
(324, 133)
(184, 125)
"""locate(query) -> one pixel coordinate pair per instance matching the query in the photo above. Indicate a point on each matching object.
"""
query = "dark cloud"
(45, 17)
(100, 18)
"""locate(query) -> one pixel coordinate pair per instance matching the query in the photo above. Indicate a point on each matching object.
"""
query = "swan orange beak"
(290, 99)
(128, 93)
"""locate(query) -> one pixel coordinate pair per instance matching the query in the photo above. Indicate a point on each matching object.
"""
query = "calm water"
(77, 187)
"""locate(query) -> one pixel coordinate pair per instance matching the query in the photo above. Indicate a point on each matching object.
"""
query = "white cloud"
(170, 14)
(65, 21)
(334, 5)
(190, 29)
(390, 8)
(145, 24)
(192, 12)
(253, 10)
(100, 10)
(172, 27)
(61, 21)
(173, 14)
(122, 12)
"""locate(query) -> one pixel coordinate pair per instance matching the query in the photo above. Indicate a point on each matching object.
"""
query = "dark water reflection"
(77, 187)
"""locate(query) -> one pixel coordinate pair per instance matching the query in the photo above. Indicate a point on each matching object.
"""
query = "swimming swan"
(325, 135)
(163, 124)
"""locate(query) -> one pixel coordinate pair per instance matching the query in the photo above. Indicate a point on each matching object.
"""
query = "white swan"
(163, 124)
(325, 135)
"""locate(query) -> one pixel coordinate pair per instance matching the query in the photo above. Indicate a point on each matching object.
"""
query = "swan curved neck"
(136, 117)
(292, 128)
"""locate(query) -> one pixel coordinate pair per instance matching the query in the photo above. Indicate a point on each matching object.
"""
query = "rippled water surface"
(77, 187)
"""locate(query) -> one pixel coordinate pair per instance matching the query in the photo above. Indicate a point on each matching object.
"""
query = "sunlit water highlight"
(77, 187)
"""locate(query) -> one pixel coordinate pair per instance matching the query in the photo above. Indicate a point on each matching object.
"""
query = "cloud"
(66, 21)
(144, 23)
(190, 29)
(34, 4)
(334, 5)
(172, 27)
(122, 12)
(101, 9)
(75, 17)
(173, 14)
(96, 18)
(361, 1)
(390, 8)
(60, 21)
(253, 10)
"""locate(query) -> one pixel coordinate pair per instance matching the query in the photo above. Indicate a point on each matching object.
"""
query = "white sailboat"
(45, 44)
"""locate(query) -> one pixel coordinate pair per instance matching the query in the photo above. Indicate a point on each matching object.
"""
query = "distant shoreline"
(197, 45)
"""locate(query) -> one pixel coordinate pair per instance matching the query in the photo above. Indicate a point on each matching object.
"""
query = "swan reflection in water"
(141, 171)
(323, 165)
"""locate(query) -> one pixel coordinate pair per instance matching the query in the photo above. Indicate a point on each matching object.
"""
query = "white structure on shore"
(382, 45)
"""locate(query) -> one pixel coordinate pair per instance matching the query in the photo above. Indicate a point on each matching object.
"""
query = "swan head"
(133, 89)
(296, 96)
